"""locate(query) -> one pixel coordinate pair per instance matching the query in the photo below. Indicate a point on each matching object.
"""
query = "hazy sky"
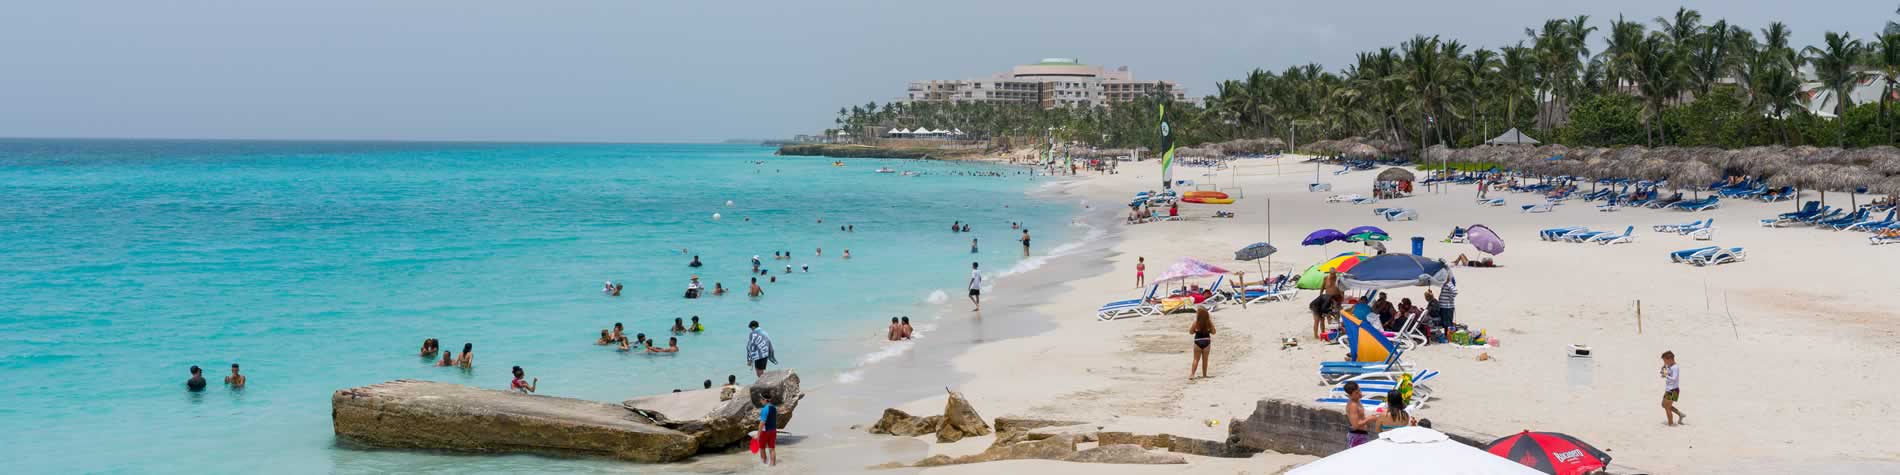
(634, 70)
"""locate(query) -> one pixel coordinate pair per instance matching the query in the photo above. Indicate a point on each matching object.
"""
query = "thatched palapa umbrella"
(1395, 174)
(1693, 174)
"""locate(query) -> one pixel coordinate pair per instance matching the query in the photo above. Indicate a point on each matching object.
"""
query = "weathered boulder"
(1053, 448)
(960, 420)
(934, 460)
(714, 423)
(1157, 441)
(902, 424)
(1208, 448)
(1012, 424)
(1124, 453)
(1289, 428)
(1081, 433)
(453, 417)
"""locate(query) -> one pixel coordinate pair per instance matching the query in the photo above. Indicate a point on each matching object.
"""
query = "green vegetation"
(1675, 80)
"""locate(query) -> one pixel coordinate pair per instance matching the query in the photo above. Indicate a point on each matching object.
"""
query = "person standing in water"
(235, 380)
(524, 387)
(976, 288)
(755, 291)
(468, 356)
(1025, 241)
(197, 381)
(973, 245)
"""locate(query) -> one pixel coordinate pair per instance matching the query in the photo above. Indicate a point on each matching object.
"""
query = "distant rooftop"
(1073, 61)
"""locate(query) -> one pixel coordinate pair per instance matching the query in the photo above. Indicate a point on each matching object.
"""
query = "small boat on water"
(885, 170)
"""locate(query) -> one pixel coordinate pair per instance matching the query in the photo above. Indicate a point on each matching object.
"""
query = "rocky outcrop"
(902, 424)
(430, 415)
(1291, 428)
(714, 423)
(1013, 424)
(960, 420)
(1124, 454)
(1054, 448)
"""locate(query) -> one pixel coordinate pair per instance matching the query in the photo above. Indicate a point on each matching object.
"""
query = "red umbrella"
(1550, 452)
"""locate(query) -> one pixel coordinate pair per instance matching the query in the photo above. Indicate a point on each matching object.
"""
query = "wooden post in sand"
(1639, 317)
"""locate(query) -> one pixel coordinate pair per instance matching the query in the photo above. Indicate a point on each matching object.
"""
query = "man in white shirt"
(976, 287)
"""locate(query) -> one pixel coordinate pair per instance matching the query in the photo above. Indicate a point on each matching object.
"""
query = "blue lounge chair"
(1871, 225)
(1686, 254)
(1553, 234)
(1627, 236)
(1670, 228)
(1140, 307)
(1720, 256)
(1583, 236)
(1851, 218)
(1492, 202)
(1539, 208)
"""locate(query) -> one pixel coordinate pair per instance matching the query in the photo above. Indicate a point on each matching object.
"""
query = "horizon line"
(381, 140)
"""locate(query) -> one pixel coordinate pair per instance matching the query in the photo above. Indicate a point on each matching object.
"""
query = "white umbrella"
(1417, 451)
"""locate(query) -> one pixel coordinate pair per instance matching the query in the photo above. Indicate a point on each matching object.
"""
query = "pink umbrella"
(1188, 268)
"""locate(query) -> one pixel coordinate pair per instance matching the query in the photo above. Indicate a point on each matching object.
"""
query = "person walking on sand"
(1358, 424)
(1141, 272)
(758, 349)
(1672, 389)
(976, 288)
(1203, 331)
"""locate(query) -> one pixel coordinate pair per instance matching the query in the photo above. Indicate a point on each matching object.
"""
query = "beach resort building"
(1051, 83)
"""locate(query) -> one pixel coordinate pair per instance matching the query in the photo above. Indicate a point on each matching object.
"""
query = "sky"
(678, 71)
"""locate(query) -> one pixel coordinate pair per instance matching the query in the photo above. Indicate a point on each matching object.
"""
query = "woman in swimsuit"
(679, 326)
(1203, 331)
(1141, 270)
(1395, 416)
(429, 347)
(468, 356)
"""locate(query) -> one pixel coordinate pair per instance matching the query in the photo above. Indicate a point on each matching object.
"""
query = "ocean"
(319, 266)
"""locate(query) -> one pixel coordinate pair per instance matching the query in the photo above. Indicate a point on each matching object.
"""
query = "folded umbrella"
(1391, 271)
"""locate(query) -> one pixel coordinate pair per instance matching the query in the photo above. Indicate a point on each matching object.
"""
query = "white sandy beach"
(1784, 356)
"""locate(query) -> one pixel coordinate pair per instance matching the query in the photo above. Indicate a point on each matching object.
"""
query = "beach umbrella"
(1315, 277)
(1692, 174)
(1189, 268)
(1365, 229)
(1483, 238)
(1395, 174)
(1368, 236)
(1322, 237)
(1391, 271)
(1416, 451)
(1255, 252)
(1550, 452)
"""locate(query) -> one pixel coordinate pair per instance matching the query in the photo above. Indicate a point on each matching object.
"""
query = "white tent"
(1414, 450)
(956, 131)
(897, 132)
(1512, 137)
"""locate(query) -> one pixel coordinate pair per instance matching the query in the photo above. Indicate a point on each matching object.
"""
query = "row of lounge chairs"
(1701, 229)
(1151, 304)
(1353, 198)
(1396, 214)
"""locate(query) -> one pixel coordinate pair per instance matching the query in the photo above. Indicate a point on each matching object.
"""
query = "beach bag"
(1405, 388)
(755, 445)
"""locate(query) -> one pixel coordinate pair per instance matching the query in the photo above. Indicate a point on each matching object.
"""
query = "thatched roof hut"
(1360, 150)
(1395, 174)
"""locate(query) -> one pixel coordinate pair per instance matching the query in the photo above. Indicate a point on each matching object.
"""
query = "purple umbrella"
(1322, 237)
(1484, 239)
(1366, 229)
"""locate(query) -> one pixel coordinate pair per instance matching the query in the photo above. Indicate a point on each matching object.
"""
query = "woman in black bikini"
(1203, 331)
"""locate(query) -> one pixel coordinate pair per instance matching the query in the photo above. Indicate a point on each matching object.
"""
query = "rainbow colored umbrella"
(1315, 276)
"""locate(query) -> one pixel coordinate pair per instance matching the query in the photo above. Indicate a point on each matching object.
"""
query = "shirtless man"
(895, 332)
(672, 346)
(755, 291)
(1360, 425)
(235, 380)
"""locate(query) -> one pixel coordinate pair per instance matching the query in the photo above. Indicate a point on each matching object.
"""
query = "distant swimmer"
(679, 326)
(966, 228)
(619, 332)
(235, 380)
(448, 359)
(821, 252)
(956, 226)
(641, 339)
(851, 228)
(518, 384)
(430, 347)
(755, 291)
(788, 268)
(692, 288)
(625, 346)
(847, 253)
(696, 327)
(805, 267)
(605, 338)
(973, 245)
(468, 356)
(672, 346)
(695, 262)
(197, 381)
(775, 279)
(718, 289)
(755, 262)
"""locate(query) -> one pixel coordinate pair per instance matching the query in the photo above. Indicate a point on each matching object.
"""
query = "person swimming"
(821, 251)
(672, 346)
(805, 267)
(718, 289)
(624, 346)
(679, 326)
(692, 288)
(429, 347)
(448, 359)
(605, 338)
(774, 279)
(695, 262)
(956, 226)
(788, 268)
(641, 339)
(966, 227)
(197, 381)
(696, 328)
(847, 253)
(755, 291)
(619, 332)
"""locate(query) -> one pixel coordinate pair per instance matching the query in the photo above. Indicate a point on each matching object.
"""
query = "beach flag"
(1167, 150)
(1365, 344)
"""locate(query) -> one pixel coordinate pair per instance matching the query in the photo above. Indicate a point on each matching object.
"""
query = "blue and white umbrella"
(1391, 271)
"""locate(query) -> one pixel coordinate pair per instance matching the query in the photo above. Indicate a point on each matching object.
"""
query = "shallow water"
(322, 265)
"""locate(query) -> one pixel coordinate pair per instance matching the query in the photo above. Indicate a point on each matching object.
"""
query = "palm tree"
(1886, 55)
(1657, 66)
(1834, 66)
(1478, 69)
(1515, 75)
(1616, 54)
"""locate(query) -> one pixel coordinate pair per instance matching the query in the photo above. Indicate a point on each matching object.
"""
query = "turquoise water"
(323, 265)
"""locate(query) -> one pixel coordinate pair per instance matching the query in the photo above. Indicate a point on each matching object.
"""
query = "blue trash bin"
(1418, 245)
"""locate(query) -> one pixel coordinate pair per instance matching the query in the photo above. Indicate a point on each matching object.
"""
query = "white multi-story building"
(1051, 83)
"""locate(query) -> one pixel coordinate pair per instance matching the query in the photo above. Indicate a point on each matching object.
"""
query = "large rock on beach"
(714, 423)
(902, 424)
(441, 416)
(1054, 448)
(1013, 424)
(1124, 454)
(960, 420)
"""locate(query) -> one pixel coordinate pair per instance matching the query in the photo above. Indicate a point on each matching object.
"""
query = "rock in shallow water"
(442, 416)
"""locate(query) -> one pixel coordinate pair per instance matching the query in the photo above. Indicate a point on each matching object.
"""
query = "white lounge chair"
(1492, 202)
(1627, 235)
(1721, 256)
(1539, 208)
(1140, 307)
(1401, 214)
(1344, 198)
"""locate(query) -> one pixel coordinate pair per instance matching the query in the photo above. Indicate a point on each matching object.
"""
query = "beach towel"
(759, 347)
